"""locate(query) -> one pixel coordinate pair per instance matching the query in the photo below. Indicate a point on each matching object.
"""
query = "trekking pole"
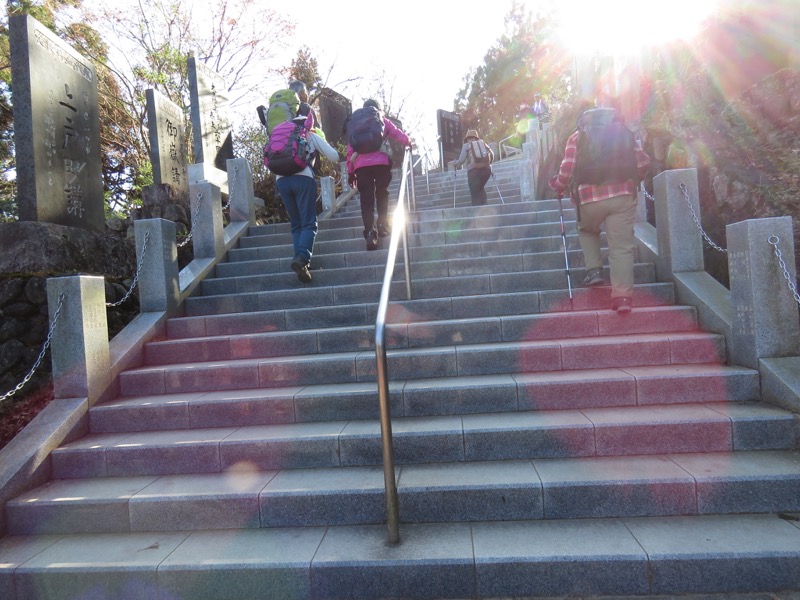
(498, 189)
(566, 255)
(454, 187)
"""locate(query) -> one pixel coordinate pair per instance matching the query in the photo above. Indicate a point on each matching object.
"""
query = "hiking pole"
(498, 189)
(566, 255)
(454, 187)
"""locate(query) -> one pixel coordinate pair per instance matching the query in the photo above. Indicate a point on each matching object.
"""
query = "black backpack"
(366, 130)
(606, 151)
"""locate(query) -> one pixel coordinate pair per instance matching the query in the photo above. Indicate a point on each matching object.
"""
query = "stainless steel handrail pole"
(398, 227)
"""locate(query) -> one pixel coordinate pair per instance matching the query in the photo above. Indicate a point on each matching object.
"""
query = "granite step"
(590, 557)
(504, 293)
(618, 351)
(708, 483)
(579, 389)
(421, 333)
(524, 434)
(296, 308)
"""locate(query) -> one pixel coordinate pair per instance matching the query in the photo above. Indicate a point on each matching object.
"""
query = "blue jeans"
(299, 196)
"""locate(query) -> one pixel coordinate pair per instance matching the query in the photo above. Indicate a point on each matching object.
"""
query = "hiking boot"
(622, 305)
(300, 267)
(594, 277)
(372, 239)
(383, 230)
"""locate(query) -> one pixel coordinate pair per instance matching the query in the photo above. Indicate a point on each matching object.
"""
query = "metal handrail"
(500, 146)
(399, 222)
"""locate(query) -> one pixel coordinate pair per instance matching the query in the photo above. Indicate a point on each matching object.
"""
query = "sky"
(427, 46)
(430, 46)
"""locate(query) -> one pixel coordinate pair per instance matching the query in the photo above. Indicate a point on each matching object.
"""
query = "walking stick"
(566, 255)
(498, 189)
(454, 187)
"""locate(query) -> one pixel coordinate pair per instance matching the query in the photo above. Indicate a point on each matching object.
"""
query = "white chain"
(697, 221)
(194, 221)
(774, 239)
(135, 276)
(646, 193)
(46, 345)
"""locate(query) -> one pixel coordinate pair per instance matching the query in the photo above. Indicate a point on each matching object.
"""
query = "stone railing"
(85, 365)
(758, 315)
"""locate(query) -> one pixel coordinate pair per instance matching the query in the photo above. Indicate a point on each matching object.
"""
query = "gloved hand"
(351, 180)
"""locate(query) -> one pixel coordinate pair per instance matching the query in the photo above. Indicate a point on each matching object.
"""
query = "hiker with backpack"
(369, 166)
(284, 105)
(479, 157)
(602, 166)
(290, 154)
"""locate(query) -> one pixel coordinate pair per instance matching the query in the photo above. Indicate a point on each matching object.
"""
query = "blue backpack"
(366, 130)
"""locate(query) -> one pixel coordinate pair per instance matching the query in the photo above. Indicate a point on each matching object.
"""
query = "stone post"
(159, 289)
(527, 181)
(641, 206)
(328, 192)
(343, 173)
(207, 230)
(765, 313)
(240, 188)
(680, 243)
(80, 351)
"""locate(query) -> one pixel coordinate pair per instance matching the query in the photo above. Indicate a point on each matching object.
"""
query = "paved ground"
(757, 596)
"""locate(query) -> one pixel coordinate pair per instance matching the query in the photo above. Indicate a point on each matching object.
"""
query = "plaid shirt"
(593, 193)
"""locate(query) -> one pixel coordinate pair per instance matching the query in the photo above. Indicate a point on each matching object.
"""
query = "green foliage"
(524, 61)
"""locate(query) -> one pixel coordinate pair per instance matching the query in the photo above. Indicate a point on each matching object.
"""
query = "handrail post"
(382, 370)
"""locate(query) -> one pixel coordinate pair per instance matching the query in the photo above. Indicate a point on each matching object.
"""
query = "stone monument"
(334, 110)
(167, 131)
(211, 126)
(450, 138)
(56, 129)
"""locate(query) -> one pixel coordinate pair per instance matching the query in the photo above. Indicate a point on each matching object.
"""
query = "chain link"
(194, 220)
(646, 193)
(39, 360)
(135, 276)
(697, 220)
(230, 188)
(774, 239)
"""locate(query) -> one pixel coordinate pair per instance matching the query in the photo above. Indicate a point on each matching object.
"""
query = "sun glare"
(619, 27)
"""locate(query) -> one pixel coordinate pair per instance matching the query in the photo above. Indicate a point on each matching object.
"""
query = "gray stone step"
(421, 333)
(539, 292)
(515, 357)
(511, 490)
(589, 557)
(525, 434)
(580, 389)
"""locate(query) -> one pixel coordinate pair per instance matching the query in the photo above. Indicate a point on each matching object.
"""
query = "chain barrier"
(230, 188)
(646, 193)
(697, 220)
(774, 239)
(135, 276)
(40, 358)
(194, 220)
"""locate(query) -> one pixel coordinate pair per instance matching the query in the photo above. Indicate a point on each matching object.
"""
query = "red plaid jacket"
(594, 193)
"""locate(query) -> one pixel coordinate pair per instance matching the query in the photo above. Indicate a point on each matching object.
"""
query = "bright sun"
(616, 27)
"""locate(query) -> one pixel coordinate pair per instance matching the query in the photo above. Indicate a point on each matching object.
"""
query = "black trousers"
(373, 187)
(476, 179)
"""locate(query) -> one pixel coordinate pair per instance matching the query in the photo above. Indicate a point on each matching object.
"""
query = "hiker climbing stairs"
(544, 445)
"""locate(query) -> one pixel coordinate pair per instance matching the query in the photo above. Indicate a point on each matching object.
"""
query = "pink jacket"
(376, 158)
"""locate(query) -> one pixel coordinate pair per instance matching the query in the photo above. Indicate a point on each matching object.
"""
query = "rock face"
(32, 247)
(30, 252)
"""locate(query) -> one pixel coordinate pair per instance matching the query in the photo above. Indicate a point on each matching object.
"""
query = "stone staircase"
(543, 447)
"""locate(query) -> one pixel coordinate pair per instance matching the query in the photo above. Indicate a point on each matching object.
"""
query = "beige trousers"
(618, 214)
